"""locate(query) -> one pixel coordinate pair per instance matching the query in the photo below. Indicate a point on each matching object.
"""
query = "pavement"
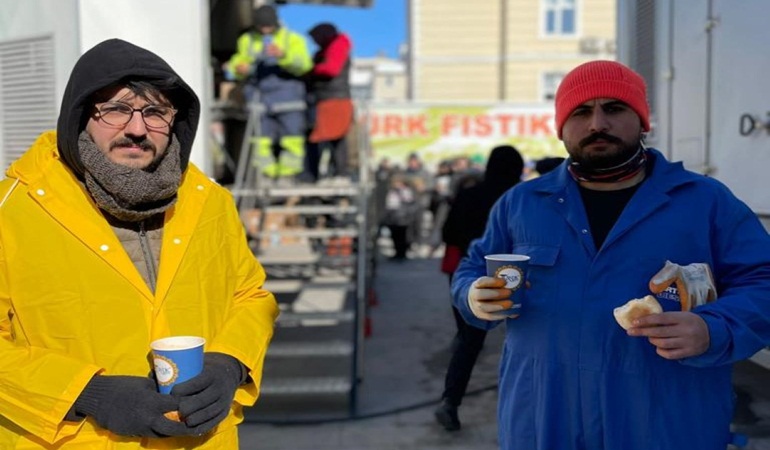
(405, 358)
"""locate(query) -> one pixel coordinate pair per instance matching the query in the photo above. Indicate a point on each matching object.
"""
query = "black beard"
(604, 161)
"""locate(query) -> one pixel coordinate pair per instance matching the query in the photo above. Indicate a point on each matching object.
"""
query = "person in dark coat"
(466, 221)
(329, 101)
(400, 207)
(545, 165)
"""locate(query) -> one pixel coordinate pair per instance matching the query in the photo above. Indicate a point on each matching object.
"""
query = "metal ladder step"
(295, 318)
(277, 259)
(308, 232)
(306, 386)
(300, 191)
(312, 209)
(283, 286)
(310, 349)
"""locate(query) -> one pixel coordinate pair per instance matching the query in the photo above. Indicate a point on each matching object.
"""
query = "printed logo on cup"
(512, 275)
(166, 371)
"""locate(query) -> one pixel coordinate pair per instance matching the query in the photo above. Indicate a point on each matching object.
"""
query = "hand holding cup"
(499, 295)
(176, 359)
(489, 299)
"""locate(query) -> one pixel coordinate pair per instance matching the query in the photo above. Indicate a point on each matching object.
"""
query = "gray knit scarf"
(126, 193)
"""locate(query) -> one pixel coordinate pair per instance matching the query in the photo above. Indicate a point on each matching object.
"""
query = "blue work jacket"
(570, 376)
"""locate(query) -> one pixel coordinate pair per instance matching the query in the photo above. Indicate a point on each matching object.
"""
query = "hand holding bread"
(674, 334)
(636, 308)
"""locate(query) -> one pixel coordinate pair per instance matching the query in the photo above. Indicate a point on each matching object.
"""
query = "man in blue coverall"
(613, 223)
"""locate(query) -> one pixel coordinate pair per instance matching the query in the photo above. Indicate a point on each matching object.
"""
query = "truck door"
(740, 97)
(689, 50)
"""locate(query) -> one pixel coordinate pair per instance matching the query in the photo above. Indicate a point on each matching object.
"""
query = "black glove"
(205, 400)
(129, 406)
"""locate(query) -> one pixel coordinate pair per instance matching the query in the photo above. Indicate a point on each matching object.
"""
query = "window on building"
(361, 93)
(551, 82)
(559, 17)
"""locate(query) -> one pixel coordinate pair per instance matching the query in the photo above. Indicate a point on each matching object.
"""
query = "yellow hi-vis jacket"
(295, 60)
(72, 303)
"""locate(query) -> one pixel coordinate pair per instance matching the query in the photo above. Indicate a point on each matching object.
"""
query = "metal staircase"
(316, 244)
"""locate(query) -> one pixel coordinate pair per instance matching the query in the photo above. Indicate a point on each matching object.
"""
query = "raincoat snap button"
(200, 187)
(104, 247)
(584, 231)
(177, 241)
(561, 200)
(40, 192)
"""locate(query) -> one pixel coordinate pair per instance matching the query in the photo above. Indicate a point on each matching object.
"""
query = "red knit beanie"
(601, 79)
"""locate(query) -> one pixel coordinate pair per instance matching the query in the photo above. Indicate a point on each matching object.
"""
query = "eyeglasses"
(119, 114)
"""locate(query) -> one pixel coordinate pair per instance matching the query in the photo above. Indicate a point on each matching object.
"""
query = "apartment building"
(513, 51)
(379, 79)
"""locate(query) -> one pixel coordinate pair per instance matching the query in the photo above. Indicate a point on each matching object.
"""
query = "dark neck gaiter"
(129, 194)
(621, 172)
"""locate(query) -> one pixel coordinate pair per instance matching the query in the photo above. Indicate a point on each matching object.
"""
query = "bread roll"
(636, 308)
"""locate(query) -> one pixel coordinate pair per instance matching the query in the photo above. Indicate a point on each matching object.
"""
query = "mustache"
(600, 136)
(144, 144)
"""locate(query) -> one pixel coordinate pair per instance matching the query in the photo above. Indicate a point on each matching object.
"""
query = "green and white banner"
(440, 132)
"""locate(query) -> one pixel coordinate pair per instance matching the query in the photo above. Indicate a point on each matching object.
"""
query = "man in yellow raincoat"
(110, 239)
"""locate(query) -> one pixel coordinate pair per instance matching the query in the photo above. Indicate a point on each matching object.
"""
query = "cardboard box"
(274, 224)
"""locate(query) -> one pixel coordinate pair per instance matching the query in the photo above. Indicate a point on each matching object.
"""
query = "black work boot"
(446, 415)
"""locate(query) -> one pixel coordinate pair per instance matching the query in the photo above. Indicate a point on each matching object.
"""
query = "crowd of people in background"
(414, 202)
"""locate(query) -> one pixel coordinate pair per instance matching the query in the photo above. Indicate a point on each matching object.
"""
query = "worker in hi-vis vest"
(272, 59)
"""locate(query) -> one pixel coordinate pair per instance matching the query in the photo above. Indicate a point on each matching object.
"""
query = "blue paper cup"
(513, 269)
(176, 359)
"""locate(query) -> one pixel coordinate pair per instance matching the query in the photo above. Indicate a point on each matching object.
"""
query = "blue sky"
(381, 28)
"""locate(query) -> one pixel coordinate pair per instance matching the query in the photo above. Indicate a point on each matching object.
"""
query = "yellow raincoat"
(72, 304)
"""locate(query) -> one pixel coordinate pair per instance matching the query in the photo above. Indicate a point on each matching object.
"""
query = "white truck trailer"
(705, 64)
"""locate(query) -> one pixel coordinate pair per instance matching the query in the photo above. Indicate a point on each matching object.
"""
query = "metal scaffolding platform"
(316, 243)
